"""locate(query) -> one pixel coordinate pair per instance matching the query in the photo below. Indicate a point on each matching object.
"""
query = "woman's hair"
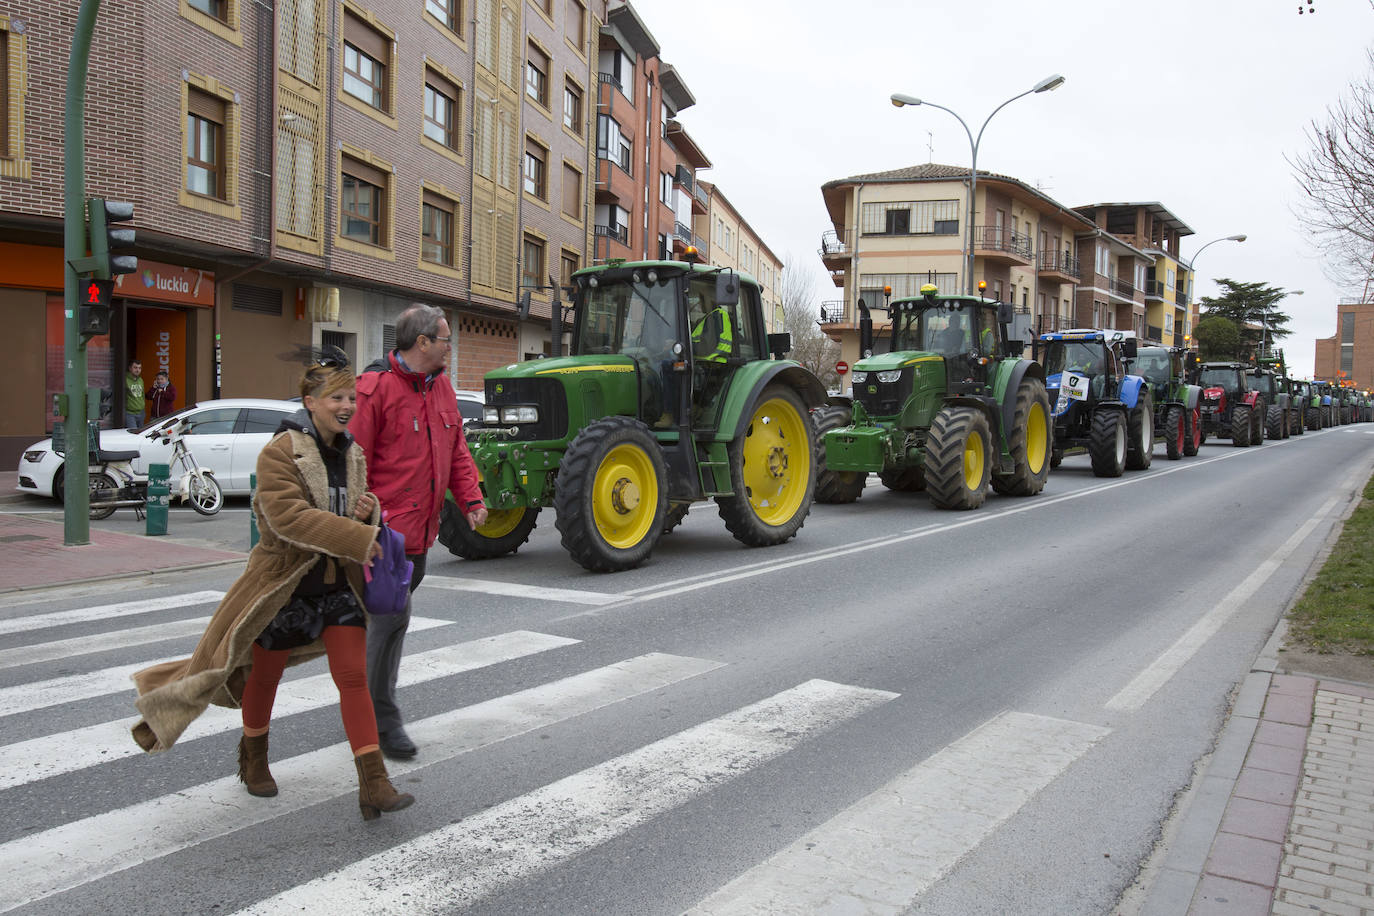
(321, 381)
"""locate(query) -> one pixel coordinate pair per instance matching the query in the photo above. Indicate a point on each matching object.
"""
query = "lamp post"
(1264, 325)
(900, 99)
(1192, 265)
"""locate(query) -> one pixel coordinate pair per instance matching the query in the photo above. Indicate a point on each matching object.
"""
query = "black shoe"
(396, 744)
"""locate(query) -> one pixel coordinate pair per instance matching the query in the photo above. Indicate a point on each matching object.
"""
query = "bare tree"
(801, 305)
(1336, 175)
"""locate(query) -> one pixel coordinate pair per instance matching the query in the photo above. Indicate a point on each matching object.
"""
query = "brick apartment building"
(1348, 355)
(303, 171)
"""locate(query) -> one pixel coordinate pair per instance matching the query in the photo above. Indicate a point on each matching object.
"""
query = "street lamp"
(900, 99)
(1264, 325)
(1192, 265)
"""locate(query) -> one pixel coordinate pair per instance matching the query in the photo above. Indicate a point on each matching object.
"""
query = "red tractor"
(1230, 408)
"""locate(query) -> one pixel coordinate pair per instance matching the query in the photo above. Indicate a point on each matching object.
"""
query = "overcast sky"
(1193, 103)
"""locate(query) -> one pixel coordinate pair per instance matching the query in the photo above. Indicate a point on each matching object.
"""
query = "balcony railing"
(683, 232)
(684, 178)
(701, 246)
(609, 78)
(1000, 238)
(832, 244)
(1123, 288)
(1154, 289)
(1155, 333)
(1050, 322)
(702, 195)
(833, 311)
(1060, 262)
(620, 233)
(1180, 298)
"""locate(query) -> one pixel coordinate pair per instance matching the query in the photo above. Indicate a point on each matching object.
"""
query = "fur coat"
(295, 526)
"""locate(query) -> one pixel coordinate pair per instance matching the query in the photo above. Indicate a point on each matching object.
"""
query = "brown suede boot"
(253, 771)
(375, 791)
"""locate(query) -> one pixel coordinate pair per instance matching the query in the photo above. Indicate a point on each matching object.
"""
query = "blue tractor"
(1096, 403)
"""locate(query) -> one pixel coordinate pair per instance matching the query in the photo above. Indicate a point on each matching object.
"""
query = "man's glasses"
(448, 339)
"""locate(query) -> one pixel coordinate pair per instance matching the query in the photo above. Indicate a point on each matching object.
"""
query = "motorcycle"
(115, 483)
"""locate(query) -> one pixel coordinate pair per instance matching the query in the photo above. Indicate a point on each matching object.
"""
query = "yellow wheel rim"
(777, 461)
(973, 461)
(1037, 438)
(501, 522)
(625, 496)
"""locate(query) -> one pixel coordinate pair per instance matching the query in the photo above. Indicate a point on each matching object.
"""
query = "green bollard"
(159, 491)
(252, 513)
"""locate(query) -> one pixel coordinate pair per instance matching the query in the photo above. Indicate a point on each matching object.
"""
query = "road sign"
(842, 367)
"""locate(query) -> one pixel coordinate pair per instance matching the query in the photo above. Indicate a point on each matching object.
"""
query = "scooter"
(197, 485)
(115, 484)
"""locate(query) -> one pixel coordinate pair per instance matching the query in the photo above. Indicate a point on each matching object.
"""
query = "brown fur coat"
(295, 527)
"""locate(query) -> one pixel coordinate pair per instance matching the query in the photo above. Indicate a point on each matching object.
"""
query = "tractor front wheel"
(1140, 426)
(676, 513)
(959, 458)
(772, 471)
(1193, 436)
(610, 497)
(502, 533)
(1107, 443)
(904, 480)
(834, 486)
(1257, 417)
(1240, 425)
(1174, 433)
(1028, 441)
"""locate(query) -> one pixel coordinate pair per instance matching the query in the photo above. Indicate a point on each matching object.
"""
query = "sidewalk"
(1283, 819)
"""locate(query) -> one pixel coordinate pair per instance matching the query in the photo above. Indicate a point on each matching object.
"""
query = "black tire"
(204, 494)
(505, 530)
(834, 487)
(59, 483)
(611, 495)
(1299, 421)
(1056, 457)
(102, 484)
(674, 516)
(1140, 432)
(959, 458)
(1273, 422)
(1257, 418)
(1314, 419)
(772, 471)
(904, 480)
(1346, 416)
(1028, 441)
(1107, 443)
(1174, 434)
(1193, 437)
(1240, 425)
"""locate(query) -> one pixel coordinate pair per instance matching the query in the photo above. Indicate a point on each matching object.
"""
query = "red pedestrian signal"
(95, 307)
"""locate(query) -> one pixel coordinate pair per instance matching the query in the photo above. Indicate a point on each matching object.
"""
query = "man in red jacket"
(409, 427)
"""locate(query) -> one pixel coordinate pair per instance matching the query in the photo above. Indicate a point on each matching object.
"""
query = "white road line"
(1145, 684)
(66, 752)
(44, 864)
(106, 611)
(519, 590)
(884, 851)
(459, 864)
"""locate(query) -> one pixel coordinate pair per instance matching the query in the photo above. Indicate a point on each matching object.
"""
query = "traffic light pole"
(76, 507)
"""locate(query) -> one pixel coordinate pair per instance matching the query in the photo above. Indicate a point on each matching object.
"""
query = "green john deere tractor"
(668, 397)
(951, 408)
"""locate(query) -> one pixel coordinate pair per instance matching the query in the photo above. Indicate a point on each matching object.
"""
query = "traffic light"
(106, 242)
(95, 307)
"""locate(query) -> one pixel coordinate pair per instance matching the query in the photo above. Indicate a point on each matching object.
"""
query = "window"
(574, 26)
(205, 144)
(537, 76)
(612, 144)
(449, 12)
(911, 217)
(213, 8)
(436, 229)
(664, 248)
(1169, 277)
(360, 202)
(441, 110)
(570, 263)
(620, 69)
(572, 107)
(665, 188)
(217, 421)
(4, 93)
(572, 192)
(536, 170)
(366, 52)
(261, 420)
(533, 260)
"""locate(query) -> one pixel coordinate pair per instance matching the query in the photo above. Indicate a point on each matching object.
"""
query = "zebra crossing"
(897, 839)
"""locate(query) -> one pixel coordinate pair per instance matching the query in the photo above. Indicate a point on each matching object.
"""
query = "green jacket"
(133, 393)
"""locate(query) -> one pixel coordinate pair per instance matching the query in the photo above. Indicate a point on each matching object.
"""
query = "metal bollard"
(252, 513)
(159, 491)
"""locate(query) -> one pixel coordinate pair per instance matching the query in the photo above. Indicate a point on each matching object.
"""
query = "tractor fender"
(985, 407)
(1326, 400)
(758, 376)
(1006, 394)
(839, 400)
(1250, 398)
(1284, 401)
(1192, 396)
(1130, 390)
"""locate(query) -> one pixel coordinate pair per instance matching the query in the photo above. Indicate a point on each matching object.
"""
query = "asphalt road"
(901, 710)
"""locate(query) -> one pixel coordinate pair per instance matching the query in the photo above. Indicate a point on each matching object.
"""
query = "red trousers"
(346, 648)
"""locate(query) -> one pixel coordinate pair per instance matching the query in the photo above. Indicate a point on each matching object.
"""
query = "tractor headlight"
(889, 376)
(525, 414)
(859, 377)
(491, 415)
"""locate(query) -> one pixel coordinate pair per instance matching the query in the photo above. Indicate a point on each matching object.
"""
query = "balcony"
(832, 311)
(1059, 265)
(1121, 288)
(701, 199)
(1155, 334)
(1154, 289)
(999, 245)
(1050, 322)
(684, 179)
(620, 233)
(835, 251)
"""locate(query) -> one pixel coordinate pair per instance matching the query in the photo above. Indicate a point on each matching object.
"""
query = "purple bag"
(388, 578)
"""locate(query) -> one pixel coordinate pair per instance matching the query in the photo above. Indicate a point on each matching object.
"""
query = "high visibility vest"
(724, 343)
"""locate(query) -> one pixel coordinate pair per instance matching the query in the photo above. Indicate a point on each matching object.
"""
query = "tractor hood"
(564, 365)
(884, 362)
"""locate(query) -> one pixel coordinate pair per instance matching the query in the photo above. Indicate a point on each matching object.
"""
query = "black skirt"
(305, 616)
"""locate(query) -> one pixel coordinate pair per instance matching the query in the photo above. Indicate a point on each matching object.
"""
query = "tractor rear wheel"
(1107, 443)
(1056, 457)
(504, 531)
(1028, 441)
(1192, 432)
(1174, 433)
(959, 458)
(610, 497)
(674, 516)
(772, 471)
(1273, 422)
(1140, 426)
(834, 486)
(904, 480)
(1240, 425)
(1314, 419)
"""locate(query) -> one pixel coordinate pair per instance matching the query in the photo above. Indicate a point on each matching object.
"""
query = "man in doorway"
(134, 403)
(162, 397)
(409, 427)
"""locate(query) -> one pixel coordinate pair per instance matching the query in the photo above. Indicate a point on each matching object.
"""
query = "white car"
(225, 436)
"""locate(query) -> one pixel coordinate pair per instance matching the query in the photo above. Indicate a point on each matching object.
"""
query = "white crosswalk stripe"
(118, 611)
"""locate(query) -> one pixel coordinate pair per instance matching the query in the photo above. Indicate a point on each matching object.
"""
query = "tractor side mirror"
(1004, 312)
(780, 344)
(1190, 361)
(727, 288)
(865, 331)
(1128, 348)
(1014, 348)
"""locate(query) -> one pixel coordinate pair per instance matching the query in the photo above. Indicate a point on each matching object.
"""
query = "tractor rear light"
(889, 376)
(526, 414)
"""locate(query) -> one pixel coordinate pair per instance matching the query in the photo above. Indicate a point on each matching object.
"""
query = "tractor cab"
(1265, 382)
(1085, 364)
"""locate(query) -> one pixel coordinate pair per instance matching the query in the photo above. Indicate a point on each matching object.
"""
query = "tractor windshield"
(634, 314)
(1153, 366)
(938, 328)
(1226, 378)
(1264, 384)
(1082, 356)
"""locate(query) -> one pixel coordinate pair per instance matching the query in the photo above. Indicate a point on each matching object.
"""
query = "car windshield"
(1074, 356)
(1220, 378)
